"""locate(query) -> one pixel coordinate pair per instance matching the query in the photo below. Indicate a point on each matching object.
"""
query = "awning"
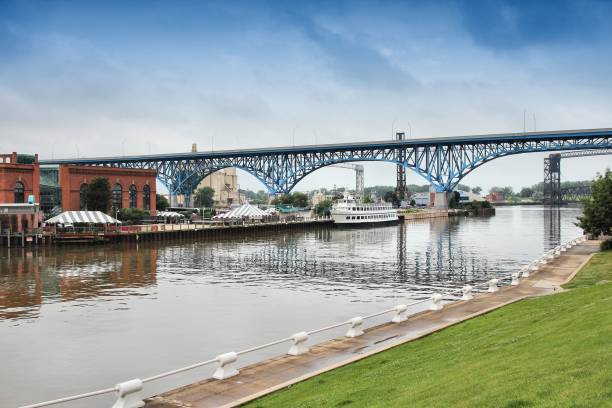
(246, 210)
(82, 217)
(169, 214)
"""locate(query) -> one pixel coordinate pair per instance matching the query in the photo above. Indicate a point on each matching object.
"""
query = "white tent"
(82, 217)
(246, 210)
(169, 214)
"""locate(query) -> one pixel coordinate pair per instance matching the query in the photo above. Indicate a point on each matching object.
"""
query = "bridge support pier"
(441, 200)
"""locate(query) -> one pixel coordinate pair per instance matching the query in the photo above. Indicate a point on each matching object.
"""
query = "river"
(76, 319)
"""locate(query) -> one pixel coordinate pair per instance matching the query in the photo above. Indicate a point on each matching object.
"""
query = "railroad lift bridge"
(443, 161)
(553, 193)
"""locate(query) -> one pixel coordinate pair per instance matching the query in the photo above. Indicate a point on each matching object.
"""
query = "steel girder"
(442, 162)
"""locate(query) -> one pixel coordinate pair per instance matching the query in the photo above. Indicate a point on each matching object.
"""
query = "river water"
(76, 319)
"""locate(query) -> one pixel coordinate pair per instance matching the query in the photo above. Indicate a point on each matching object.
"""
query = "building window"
(19, 192)
(133, 194)
(83, 196)
(117, 197)
(146, 197)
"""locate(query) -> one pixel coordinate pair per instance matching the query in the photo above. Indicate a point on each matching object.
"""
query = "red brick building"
(19, 178)
(130, 188)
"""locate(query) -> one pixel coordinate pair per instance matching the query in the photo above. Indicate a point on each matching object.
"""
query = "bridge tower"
(552, 179)
(400, 187)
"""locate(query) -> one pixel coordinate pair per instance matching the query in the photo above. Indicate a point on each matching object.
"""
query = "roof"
(244, 211)
(169, 214)
(82, 217)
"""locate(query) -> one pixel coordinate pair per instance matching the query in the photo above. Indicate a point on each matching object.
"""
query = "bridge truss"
(443, 162)
(553, 193)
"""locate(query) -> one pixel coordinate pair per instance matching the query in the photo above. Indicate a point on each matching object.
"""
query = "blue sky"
(103, 78)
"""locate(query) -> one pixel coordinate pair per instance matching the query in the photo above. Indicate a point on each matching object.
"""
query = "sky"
(112, 78)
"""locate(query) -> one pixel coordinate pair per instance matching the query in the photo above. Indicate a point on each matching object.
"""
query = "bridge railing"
(128, 393)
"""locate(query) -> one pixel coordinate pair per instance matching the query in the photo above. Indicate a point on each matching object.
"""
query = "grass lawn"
(553, 351)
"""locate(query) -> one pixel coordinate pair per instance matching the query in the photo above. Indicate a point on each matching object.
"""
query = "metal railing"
(129, 392)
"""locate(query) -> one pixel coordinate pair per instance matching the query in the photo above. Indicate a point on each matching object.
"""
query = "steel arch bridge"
(443, 162)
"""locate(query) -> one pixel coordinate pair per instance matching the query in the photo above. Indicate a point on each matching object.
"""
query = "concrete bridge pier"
(442, 200)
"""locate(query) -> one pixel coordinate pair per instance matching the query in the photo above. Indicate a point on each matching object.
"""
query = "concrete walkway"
(262, 378)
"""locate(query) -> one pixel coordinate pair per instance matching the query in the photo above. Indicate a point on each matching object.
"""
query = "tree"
(132, 215)
(526, 192)
(161, 203)
(463, 187)
(597, 214)
(323, 208)
(389, 196)
(300, 200)
(296, 200)
(477, 190)
(367, 200)
(99, 195)
(203, 197)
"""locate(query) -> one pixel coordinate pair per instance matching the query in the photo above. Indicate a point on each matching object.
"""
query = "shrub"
(606, 245)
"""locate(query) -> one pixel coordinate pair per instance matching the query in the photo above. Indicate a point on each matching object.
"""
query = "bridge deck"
(259, 379)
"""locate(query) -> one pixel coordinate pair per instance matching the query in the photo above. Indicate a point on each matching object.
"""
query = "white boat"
(349, 211)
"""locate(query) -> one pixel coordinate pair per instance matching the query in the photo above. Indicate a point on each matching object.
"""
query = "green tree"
(463, 187)
(477, 190)
(597, 214)
(300, 200)
(389, 196)
(323, 208)
(526, 192)
(132, 215)
(367, 200)
(99, 195)
(161, 203)
(261, 197)
(203, 197)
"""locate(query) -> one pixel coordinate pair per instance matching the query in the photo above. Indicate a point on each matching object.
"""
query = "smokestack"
(194, 148)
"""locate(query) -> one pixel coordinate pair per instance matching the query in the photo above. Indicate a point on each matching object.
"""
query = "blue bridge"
(443, 162)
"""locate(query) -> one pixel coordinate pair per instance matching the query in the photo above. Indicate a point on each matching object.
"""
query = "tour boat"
(349, 211)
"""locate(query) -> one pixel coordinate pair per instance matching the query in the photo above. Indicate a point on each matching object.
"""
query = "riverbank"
(260, 379)
(551, 351)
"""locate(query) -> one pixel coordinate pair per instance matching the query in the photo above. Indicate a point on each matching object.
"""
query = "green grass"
(553, 351)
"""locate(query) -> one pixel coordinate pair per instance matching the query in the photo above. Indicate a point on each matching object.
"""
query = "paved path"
(262, 378)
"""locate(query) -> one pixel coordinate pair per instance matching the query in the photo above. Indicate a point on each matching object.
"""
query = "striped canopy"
(169, 214)
(82, 217)
(246, 210)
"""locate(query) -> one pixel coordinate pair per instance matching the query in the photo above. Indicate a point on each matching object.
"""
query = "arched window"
(83, 196)
(117, 197)
(133, 194)
(146, 197)
(19, 192)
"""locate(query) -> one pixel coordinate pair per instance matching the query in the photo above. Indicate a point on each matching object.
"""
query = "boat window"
(348, 218)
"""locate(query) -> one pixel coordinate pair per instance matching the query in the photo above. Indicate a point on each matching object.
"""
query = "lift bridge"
(443, 162)
(553, 193)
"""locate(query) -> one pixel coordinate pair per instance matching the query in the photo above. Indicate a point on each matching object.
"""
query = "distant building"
(495, 196)
(225, 184)
(65, 187)
(19, 178)
(130, 188)
(421, 199)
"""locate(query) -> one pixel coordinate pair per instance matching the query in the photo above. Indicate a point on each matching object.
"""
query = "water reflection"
(29, 278)
(415, 258)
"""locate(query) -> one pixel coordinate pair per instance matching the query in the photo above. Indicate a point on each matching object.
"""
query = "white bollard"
(225, 368)
(436, 300)
(128, 394)
(515, 279)
(298, 348)
(400, 314)
(355, 329)
(467, 293)
(493, 285)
